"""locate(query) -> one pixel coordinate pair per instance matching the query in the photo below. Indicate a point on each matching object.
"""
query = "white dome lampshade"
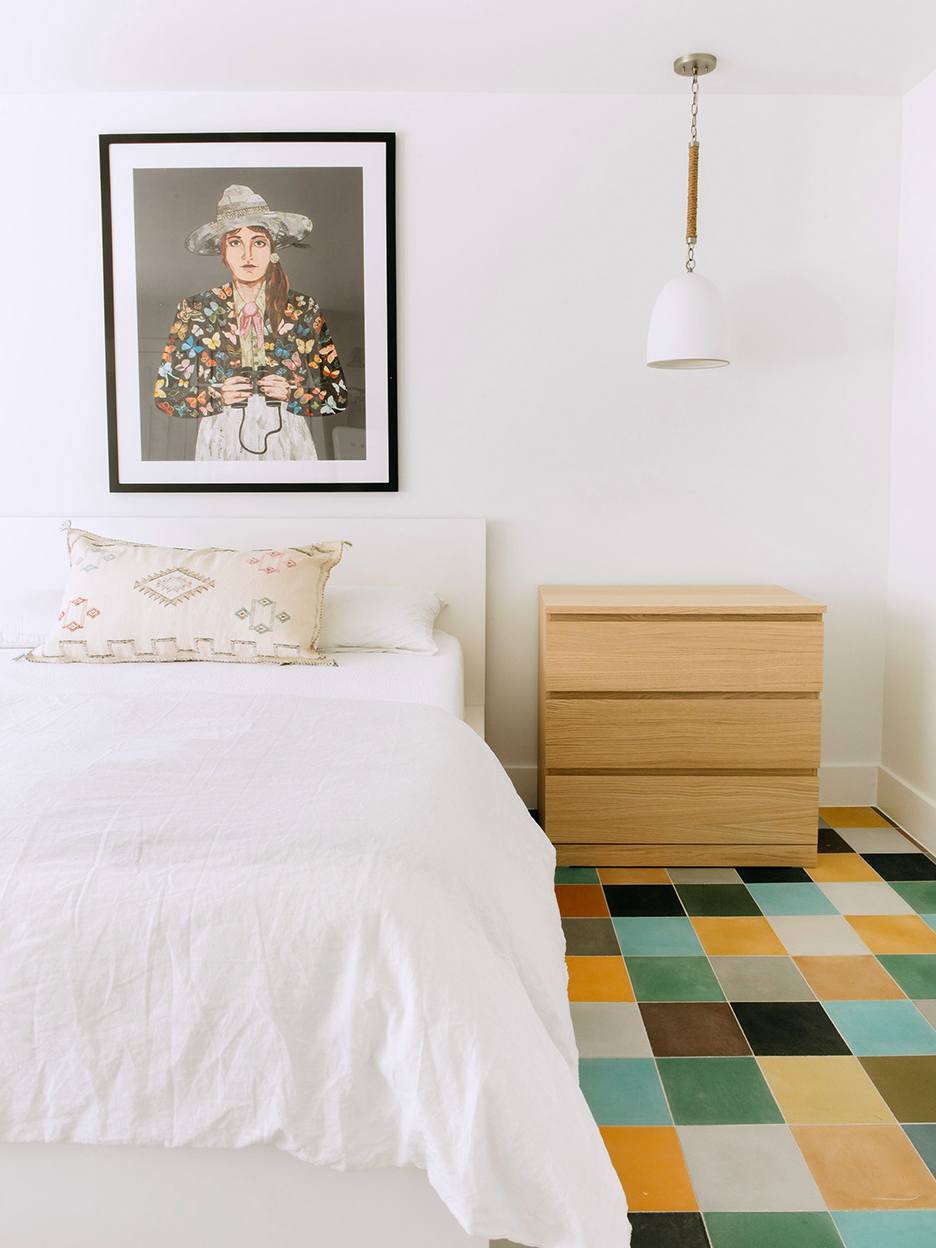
(688, 326)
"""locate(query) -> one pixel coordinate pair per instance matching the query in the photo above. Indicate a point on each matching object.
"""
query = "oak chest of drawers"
(679, 725)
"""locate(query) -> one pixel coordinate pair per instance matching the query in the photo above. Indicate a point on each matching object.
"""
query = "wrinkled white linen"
(328, 926)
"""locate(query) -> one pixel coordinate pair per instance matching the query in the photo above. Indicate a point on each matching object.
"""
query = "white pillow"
(379, 617)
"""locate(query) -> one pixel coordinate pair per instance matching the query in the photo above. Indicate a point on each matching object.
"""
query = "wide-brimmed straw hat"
(239, 206)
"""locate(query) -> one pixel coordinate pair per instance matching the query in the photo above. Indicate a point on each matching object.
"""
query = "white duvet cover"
(327, 926)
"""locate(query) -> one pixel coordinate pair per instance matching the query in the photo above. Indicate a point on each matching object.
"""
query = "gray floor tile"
(865, 898)
(590, 938)
(609, 1029)
(761, 979)
(703, 875)
(928, 1010)
(817, 935)
(750, 1169)
(878, 841)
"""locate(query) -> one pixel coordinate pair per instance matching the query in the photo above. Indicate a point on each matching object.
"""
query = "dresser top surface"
(676, 600)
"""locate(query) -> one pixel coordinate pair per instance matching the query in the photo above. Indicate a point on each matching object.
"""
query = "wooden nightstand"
(679, 724)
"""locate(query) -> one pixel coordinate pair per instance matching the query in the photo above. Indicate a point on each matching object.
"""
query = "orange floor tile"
(858, 1167)
(853, 978)
(727, 937)
(598, 979)
(651, 1168)
(852, 817)
(894, 933)
(633, 875)
(842, 868)
(581, 901)
(824, 1090)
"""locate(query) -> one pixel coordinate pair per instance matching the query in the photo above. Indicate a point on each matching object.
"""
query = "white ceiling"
(826, 47)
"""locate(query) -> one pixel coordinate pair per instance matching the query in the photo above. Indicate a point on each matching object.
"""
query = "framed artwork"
(250, 311)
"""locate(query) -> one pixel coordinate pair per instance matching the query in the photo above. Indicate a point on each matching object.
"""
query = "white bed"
(106, 1194)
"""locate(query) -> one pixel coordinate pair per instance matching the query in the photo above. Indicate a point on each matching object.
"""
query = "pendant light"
(689, 326)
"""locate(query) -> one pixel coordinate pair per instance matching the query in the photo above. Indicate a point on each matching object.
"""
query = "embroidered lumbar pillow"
(130, 603)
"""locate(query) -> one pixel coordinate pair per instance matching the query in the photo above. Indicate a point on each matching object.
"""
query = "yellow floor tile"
(873, 1167)
(852, 817)
(650, 1165)
(842, 868)
(633, 875)
(598, 979)
(894, 933)
(824, 1089)
(853, 978)
(736, 936)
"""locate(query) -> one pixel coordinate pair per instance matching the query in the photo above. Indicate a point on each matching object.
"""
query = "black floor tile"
(590, 938)
(831, 843)
(902, 866)
(643, 900)
(789, 1029)
(668, 1230)
(774, 875)
(717, 900)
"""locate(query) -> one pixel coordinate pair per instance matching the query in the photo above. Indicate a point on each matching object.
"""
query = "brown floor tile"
(742, 936)
(693, 1029)
(633, 875)
(848, 979)
(650, 1165)
(908, 1084)
(842, 869)
(581, 901)
(598, 979)
(852, 817)
(824, 1090)
(894, 933)
(866, 1167)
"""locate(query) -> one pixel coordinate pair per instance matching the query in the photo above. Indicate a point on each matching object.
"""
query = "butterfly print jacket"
(204, 349)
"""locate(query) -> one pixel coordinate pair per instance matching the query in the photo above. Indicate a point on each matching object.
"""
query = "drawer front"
(684, 654)
(683, 733)
(720, 810)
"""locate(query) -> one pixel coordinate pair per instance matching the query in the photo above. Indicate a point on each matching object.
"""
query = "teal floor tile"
(887, 1228)
(923, 1138)
(717, 900)
(707, 1091)
(673, 979)
(930, 919)
(882, 1028)
(654, 937)
(772, 1230)
(921, 894)
(576, 875)
(624, 1092)
(780, 899)
(914, 972)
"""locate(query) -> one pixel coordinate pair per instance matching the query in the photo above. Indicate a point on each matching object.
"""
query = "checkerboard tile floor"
(758, 1046)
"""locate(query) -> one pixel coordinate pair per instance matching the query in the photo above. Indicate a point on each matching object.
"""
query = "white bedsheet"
(329, 926)
(433, 679)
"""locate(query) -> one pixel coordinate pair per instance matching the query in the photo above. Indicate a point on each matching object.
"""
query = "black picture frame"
(157, 189)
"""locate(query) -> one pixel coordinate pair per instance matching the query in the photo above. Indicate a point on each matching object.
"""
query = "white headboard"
(445, 555)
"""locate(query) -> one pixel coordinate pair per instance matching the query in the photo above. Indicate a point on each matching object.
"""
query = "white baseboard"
(838, 786)
(908, 807)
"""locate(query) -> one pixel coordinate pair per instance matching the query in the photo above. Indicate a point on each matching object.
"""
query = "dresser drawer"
(683, 654)
(722, 810)
(647, 733)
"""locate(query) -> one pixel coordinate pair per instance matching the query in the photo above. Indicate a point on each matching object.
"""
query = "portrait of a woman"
(250, 359)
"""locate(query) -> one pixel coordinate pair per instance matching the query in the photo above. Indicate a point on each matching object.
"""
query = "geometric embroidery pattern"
(261, 615)
(76, 612)
(92, 567)
(174, 585)
(271, 561)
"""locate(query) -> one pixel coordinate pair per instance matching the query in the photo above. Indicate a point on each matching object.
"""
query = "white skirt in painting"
(235, 433)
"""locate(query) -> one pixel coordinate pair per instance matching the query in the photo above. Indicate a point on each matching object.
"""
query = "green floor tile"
(708, 1091)
(914, 972)
(673, 979)
(921, 894)
(624, 1092)
(772, 1230)
(923, 1138)
(717, 900)
(888, 1228)
(576, 875)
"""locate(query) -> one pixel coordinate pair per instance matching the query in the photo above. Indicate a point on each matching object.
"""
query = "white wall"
(908, 775)
(535, 233)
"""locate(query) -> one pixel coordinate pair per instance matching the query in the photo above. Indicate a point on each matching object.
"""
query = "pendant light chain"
(691, 234)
